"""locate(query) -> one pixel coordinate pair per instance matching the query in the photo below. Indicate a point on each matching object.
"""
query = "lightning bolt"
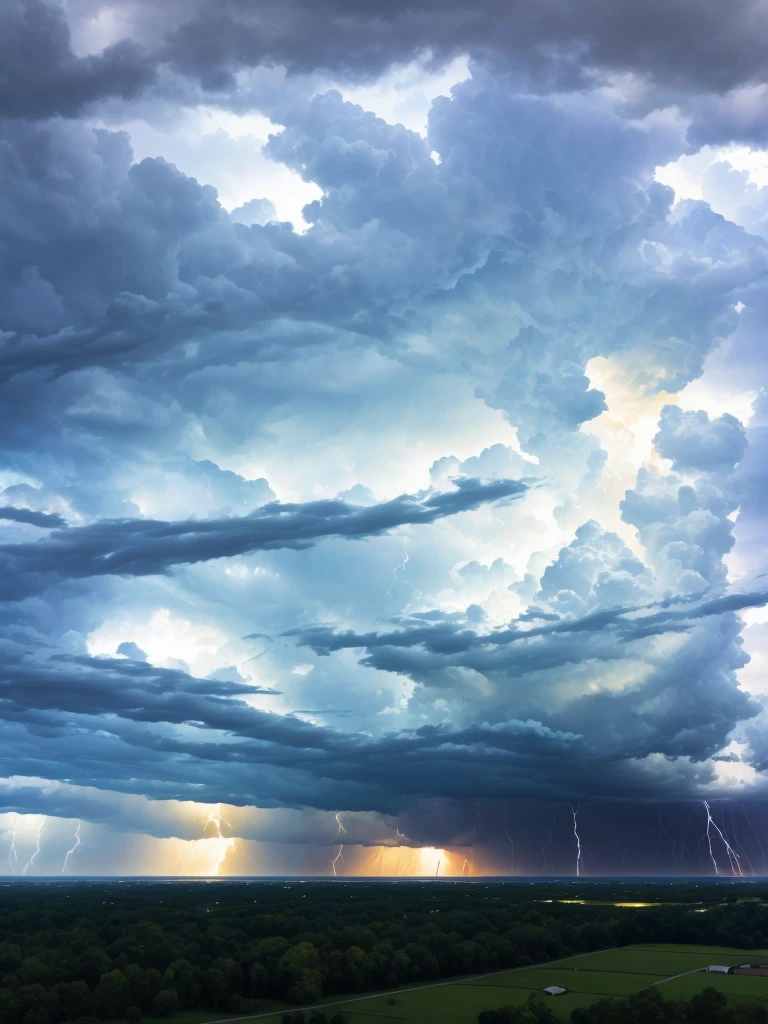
(477, 819)
(31, 860)
(339, 858)
(549, 839)
(733, 857)
(574, 812)
(509, 837)
(70, 852)
(401, 568)
(465, 868)
(217, 843)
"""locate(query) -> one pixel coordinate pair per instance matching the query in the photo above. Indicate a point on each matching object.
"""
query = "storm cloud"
(481, 288)
(144, 547)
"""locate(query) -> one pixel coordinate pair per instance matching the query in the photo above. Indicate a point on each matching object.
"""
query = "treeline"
(101, 951)
(646, 1007)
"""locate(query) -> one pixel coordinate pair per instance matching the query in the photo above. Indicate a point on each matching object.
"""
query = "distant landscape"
(192, 951)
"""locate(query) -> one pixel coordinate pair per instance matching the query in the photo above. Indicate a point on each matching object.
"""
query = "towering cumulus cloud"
(384, 432)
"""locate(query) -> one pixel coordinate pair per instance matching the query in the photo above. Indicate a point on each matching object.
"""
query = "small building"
(555, 990)
(717, 969)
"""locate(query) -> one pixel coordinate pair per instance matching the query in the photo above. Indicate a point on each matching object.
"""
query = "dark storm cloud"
(689, 45)
(621, 696)
(45, 520)
(176, 737)
(41, 77)
(448, 638)
(145, 547)
(699, 44)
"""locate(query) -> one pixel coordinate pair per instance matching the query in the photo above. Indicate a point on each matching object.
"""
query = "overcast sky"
(384, 437)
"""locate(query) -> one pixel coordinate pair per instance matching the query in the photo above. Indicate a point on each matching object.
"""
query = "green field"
(588, 977)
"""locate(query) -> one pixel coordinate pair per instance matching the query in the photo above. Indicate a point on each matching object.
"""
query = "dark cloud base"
(145, 547)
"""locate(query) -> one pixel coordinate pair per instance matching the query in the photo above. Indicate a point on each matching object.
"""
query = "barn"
(555, 990)
(717, 969)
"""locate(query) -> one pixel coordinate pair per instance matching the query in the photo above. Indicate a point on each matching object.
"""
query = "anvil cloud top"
(383, 436)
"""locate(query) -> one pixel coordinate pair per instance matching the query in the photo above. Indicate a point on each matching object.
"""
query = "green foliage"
(165, 1002)
(90, 953)
(650, 1007)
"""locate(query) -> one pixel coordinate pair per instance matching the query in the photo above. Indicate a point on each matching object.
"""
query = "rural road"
(401, 991)
(696, 970)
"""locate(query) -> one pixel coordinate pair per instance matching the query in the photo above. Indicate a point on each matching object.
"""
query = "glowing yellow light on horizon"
(432, 861)
(205, 856)
(210, 854)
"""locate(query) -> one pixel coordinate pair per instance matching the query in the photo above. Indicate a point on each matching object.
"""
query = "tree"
(709, 1007)
(216, 990)
(165, 1002)
(74, 999)
(112, 994)
(259, 979)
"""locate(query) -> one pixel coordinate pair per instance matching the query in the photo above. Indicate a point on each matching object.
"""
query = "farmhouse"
(555, 990)
(717, 969)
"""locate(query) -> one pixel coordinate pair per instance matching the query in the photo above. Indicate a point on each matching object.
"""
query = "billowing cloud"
(693, 442)
(203, 404)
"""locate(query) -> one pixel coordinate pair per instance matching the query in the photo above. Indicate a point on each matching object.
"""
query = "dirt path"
(402, 991)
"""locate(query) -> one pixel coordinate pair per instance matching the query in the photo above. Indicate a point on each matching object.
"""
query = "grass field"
(588, 977)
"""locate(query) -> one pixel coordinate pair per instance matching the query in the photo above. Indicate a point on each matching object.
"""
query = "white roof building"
(717, 969)
(555, 990)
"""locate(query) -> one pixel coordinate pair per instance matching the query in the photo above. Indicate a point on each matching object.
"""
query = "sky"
(383, 437)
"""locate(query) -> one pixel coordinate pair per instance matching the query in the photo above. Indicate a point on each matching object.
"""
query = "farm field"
(588, 977)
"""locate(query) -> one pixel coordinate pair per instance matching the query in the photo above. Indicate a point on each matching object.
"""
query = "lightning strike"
(339, 858)
(213, 843)
(574, 812)
(401, 569)
(477, 819)
(733, 857)
(70, 852)
(32, 859)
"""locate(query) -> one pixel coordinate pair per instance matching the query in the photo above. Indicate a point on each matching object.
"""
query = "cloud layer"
(519, 370)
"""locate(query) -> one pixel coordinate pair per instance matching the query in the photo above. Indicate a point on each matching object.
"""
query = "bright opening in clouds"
(384, 436)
